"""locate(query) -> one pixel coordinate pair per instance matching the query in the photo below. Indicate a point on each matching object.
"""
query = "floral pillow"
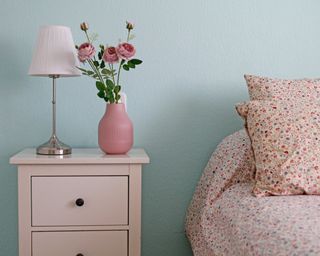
(285, 137)
(264, 88)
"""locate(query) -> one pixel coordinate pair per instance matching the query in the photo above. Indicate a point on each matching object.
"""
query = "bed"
(224, 218)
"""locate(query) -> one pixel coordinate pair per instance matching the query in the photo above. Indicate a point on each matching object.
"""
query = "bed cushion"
(285, 137)
(231, 163)
(264, 88)
(224, 218)
(241, 224)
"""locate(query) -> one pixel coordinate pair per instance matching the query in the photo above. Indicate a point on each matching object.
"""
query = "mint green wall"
(181, 99)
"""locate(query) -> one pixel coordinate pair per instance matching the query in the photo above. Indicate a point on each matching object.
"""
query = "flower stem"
(89, 41)
(111, 68)
(128, 35)
(96, 70)
(118, 75)
(87, 36)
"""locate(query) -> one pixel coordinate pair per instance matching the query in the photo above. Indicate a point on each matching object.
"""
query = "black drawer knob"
(79, 254)
(79, 202)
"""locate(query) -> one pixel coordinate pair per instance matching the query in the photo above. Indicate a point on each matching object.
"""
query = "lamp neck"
(54, 77)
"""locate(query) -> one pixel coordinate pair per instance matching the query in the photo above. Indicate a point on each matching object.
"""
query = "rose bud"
(130, 26)
(84, 26)
(125, 50)
(86, 51)
(110, 55)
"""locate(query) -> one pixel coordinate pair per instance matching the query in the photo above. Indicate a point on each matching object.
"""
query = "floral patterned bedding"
(224, 218)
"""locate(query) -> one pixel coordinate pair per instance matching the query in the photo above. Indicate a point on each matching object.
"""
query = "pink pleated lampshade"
(55, 53)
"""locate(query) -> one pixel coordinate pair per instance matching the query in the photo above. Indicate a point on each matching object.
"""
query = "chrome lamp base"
(54, 147)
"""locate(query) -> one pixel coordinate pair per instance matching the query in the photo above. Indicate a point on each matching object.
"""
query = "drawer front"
(79, 200)
(86, 243)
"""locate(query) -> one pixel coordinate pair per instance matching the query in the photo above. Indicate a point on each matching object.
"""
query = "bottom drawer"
(76, 243)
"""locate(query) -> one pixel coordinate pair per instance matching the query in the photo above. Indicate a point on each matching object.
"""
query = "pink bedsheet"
(224, 218)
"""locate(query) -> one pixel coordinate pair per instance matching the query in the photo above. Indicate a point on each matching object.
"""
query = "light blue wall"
(181, 99)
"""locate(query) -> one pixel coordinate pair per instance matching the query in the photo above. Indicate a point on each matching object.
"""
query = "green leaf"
(126, 67)
(118, 97)
(110, 84)
(89, 72)
(117, 89)
(108, 90)
(96, 63)
(99, 55)
(93, 37)
(132, 36)
(101, 94)
(100, 86)
(106, 72)
(106, 99)
(135, 61)
(82, 69)
(102, 64)
(110, 97)
(131, 65)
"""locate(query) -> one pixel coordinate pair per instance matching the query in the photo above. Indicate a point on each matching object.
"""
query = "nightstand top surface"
(81, 156)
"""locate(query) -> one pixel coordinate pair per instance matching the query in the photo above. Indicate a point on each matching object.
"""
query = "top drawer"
(79, 200)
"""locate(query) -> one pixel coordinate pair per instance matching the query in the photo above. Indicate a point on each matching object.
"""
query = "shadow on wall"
(18, 114)
(179, 135)
(192, 124)
(10, 90)
(11, 67)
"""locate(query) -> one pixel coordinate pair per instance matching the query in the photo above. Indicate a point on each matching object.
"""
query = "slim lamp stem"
(54, 106)
(53, 146)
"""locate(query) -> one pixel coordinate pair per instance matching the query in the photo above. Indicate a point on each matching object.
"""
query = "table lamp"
(54, 56)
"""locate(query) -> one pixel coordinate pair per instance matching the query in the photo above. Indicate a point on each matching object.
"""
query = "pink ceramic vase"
(115, 135)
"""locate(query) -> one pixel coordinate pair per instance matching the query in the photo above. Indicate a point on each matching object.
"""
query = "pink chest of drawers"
(84, 204)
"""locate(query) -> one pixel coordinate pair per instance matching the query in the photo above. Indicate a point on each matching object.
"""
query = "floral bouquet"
(107, 66)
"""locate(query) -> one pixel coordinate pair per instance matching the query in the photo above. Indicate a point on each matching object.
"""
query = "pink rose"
(110, 55)
(86, 51)
(125, 50)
